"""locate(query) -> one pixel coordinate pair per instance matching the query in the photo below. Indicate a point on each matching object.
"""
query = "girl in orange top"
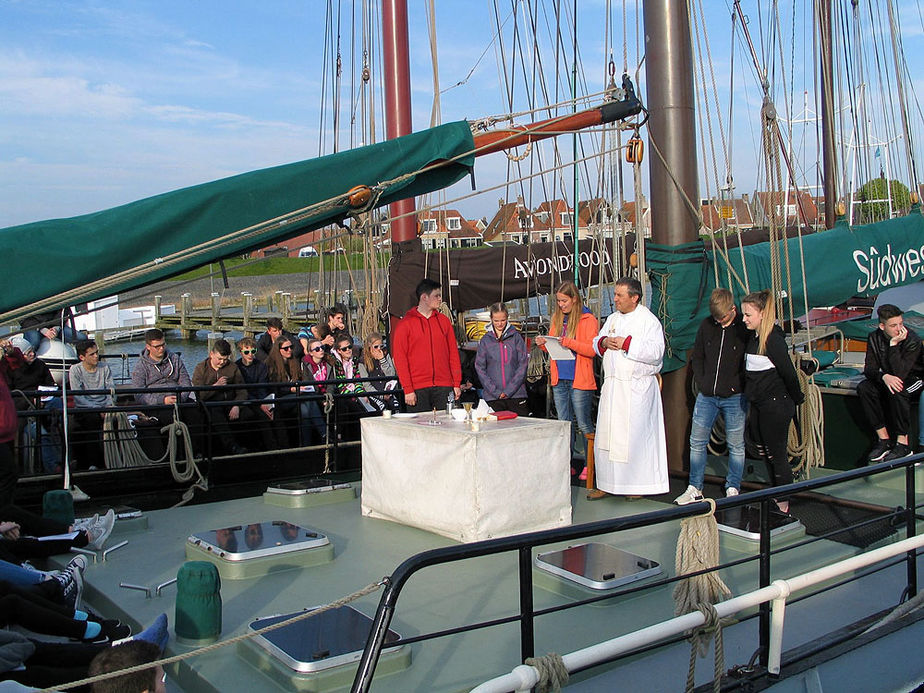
(573, 383)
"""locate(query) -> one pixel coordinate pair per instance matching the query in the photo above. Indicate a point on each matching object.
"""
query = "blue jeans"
(20, 576)
(576, 406)
(920, 425)
(735, 410)
(34, 337)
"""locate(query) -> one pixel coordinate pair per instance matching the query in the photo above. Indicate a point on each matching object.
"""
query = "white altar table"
(508, 478)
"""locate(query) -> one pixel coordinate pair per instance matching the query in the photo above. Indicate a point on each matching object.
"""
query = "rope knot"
(552, 672)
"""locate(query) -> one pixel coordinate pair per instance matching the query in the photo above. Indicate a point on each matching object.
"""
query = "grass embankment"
(248, 267)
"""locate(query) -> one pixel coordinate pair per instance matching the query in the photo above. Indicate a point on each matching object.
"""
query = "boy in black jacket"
(717, 361)
(892, 377)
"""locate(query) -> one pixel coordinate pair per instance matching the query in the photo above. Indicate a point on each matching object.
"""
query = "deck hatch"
(744, 521)
(306, 486)
(597, 566)
(246, 542)
(327, 640)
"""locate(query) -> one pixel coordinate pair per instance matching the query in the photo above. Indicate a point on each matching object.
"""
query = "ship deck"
(366, 549)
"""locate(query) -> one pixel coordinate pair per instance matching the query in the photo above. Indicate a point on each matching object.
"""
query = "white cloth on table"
(630, 449)
(511, 477)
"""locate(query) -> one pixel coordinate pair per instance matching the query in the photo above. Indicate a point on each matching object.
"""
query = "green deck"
(366, 549)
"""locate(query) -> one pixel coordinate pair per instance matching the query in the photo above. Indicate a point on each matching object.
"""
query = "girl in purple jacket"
(501, 364)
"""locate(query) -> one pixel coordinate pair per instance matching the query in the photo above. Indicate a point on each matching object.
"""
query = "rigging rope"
(698, 551)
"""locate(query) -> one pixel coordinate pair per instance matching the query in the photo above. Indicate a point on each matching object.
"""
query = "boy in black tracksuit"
(892, 377)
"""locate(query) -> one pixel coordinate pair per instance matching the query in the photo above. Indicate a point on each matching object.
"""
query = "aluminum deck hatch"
(745, 522)
(597, 566)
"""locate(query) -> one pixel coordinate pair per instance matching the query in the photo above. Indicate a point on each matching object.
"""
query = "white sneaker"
(731, 491)
(78, 495)
(691, 495)
(86, 522)
(100, 530)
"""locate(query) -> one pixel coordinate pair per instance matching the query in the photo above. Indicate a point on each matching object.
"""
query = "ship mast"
(829, 172)
(398, 104)
(674, 191)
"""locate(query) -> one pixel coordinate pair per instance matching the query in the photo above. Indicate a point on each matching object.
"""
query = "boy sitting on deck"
(892, 377)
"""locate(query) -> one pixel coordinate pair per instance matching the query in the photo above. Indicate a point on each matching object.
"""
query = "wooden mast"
(827, 114)
(672, 131)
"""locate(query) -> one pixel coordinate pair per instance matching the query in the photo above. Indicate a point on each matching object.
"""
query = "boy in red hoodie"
(425, 352)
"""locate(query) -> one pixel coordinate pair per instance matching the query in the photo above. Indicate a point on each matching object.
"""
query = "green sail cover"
(840, 263)
(106, 252)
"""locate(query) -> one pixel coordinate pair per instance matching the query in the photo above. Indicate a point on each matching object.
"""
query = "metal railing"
(524, 544)
(38, 435)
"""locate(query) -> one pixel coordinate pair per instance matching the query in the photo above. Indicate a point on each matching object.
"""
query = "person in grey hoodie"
(501, 364)
(160, 368)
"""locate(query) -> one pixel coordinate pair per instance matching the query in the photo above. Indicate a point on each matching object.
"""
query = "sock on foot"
(93, 629)
(156, 633)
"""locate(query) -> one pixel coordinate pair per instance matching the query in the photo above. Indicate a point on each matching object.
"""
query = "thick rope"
(328, 408)
(698, 550)
(553, 674)
(368, 589)
(807, 440)
(713, 625)
(912, 604)
(123, 451)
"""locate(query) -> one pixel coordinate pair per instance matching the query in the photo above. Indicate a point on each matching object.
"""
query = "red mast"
(398, 103)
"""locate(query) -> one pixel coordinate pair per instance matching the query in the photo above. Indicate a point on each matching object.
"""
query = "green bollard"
(198, 603)
(58, 505)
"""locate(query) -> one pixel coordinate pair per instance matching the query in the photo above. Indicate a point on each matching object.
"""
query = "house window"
(790, 210)
(454, 223)
(525, 222)
(429, 225)
(566, 218)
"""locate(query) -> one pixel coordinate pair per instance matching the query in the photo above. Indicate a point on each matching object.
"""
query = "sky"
(103, 103)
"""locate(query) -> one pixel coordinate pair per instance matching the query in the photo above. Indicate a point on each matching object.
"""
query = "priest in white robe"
(630, 449)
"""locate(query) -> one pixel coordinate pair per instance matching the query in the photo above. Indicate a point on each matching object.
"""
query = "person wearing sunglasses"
(376, 363)
(349, 409)
(292, 401)
(256, 376)
(275, 330)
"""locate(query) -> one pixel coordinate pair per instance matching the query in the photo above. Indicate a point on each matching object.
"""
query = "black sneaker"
(880, 450)
(112, 631)
(900, 450)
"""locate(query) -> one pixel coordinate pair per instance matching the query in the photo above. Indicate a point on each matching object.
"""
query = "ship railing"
(41, 435)
(777, 594)
(524, 544)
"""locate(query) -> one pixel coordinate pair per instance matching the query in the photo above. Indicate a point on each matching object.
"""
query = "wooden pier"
(243, 316)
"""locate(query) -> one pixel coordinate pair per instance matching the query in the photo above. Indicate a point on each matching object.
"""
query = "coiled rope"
(806, 440)
(121, 451)
(697, 551)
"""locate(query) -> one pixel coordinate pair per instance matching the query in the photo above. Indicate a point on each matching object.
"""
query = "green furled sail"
(106, 252)
(843, 262)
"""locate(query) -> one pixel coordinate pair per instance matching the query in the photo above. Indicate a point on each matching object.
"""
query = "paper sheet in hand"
(557, 351)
